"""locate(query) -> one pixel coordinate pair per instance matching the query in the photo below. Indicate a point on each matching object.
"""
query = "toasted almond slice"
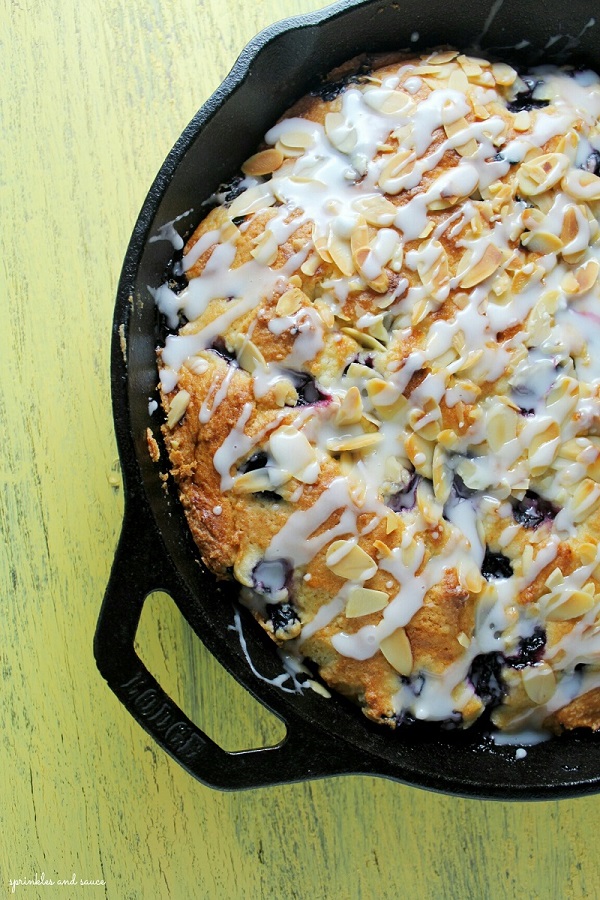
(395, 169)
(383, 550)
(249, 356)
(365, 340)
(177, 408)
(541, 173)
(253, 200)
(522, 121)
(263, 163)
(505, 75)
(311, 264)
(297, 140)
(267, 249)
(582, 279)
(486, 266)
(539, 682)
(285, 393)
(347, 560)
(458, 81)
(294, 453)
(585, 500)
(351, 408)
(398, 652)
(291, 301)
(340, 252)
(420, 453)
(386, 399)
(376, 210)
(441, 57)
(570, 225)
(260, 480)
(568, 605)
(542, 242)
(442, 479)
(364, 601)
(397, 103)
(581, 185)
(340, 132)
(353, 442)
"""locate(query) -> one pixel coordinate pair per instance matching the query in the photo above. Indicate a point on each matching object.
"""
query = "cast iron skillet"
(156, 552)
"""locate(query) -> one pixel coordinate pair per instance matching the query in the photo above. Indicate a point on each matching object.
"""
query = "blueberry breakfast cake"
(382, 389)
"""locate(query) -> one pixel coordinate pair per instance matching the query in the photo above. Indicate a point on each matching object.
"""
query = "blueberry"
(282, 616)
(495, 566)
(485, 674)
(329, 90)
(176, 279)
(460, 489)
(362, 359)
(258, 460)
(529, 651)
(271, 575)
(307, 389)
(218, 345)
(234, 189)
(592, 163)
(406, 497)
(532, 510)
(525, 100)
(452, 722)
(417, 683)
(404, 718)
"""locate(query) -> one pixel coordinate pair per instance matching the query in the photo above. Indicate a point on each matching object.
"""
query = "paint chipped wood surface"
(93, 95)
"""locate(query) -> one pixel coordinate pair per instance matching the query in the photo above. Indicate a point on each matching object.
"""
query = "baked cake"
(382, 389)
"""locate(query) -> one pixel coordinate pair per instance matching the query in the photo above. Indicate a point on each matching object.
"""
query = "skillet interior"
(275, 69)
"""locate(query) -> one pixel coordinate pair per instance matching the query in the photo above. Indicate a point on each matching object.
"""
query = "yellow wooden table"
(93, 95)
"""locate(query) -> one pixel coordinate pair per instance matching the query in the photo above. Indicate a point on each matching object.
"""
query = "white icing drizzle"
(507, 399)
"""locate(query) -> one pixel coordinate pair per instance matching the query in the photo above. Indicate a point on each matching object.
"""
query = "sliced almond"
(253, 200)
(263, 163)
(353, 442)
(364, 601)
(249, 356)
(395, 169)
(522, 121)
(541, 173)
(440, 57)
(585, 500)
(347, 560)
(581, 185)
(539, 682)
(542, 242)
(177, 408)
(291, 301)
(376, 210)
(504, 74)
(351, 408)
(483, 268)
(340, 132)
(398, 652)
(386, 399)
(340, 252)
(582, 279)
(365, 340)
(568, 605)
(297, 139)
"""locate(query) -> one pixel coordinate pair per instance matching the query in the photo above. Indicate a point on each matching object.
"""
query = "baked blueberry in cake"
(383, 404)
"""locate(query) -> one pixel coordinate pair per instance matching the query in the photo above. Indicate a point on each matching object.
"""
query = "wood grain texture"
(93, 95)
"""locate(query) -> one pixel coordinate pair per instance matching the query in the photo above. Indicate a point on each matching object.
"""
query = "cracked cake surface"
(382, 389)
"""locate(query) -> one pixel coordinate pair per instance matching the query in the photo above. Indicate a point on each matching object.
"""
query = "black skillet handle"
(140, 567)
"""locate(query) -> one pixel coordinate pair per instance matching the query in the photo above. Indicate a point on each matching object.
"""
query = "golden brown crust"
(349, 427)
